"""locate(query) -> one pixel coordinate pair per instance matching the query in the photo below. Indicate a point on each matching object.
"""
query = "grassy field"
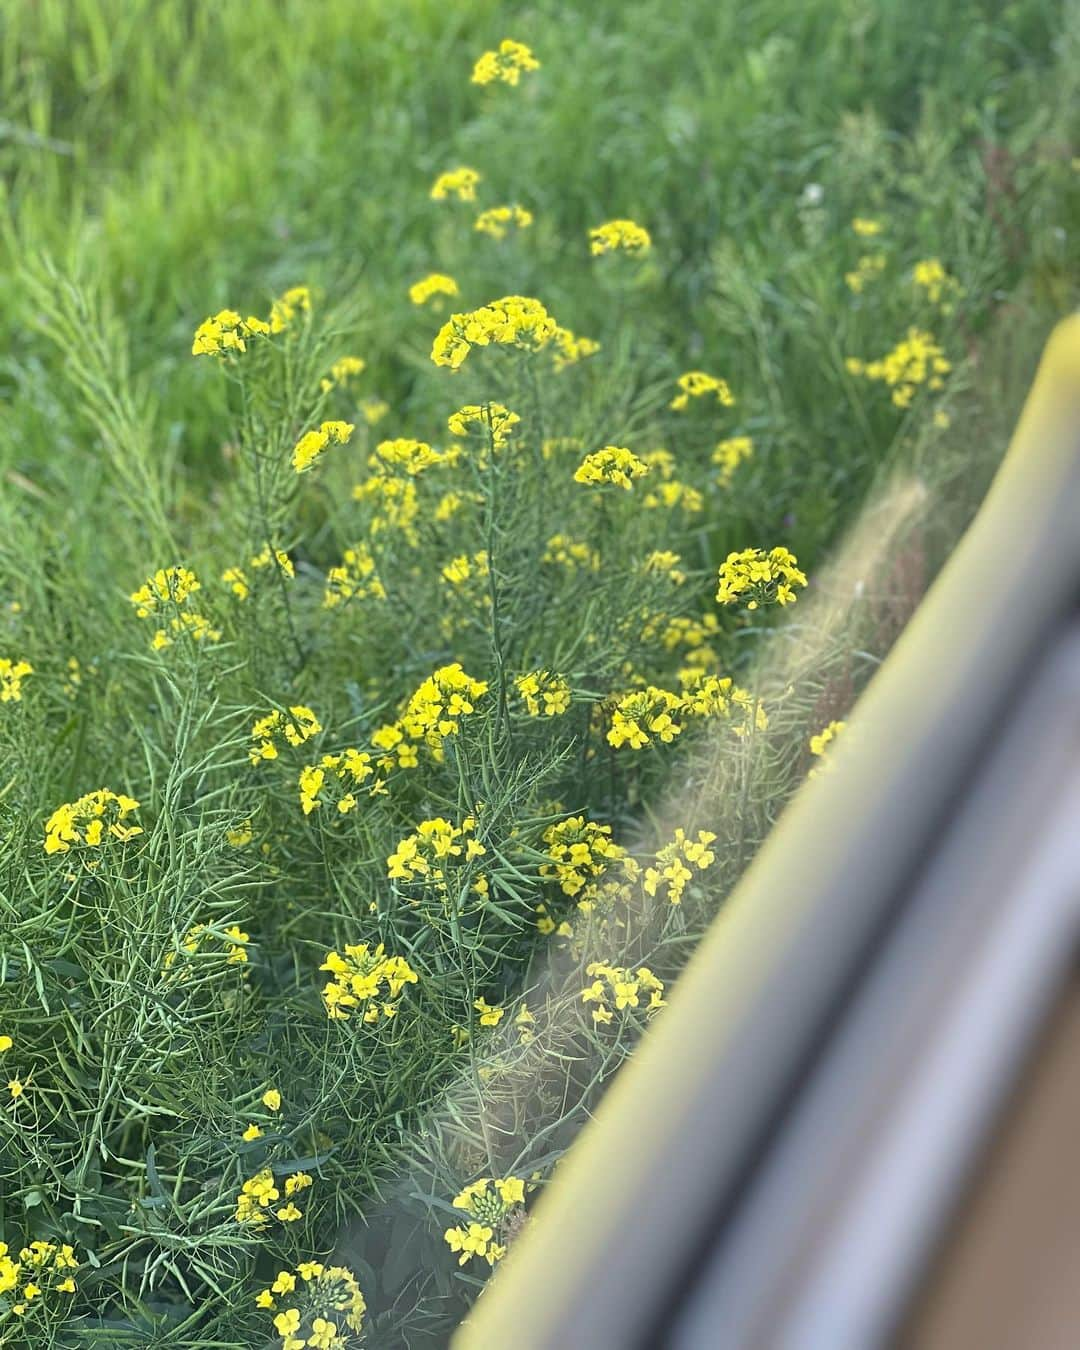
(378, 737)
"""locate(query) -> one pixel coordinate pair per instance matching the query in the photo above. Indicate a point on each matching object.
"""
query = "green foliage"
(161, 162)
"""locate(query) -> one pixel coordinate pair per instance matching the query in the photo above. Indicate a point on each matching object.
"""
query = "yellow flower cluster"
(238, 580)
(869, 267)
(260, 1193)
(432, 712)
(643, 715)
(223, 332)
(491, 419)
(514, 321)
(234, 946)
(819, 745)
(544, 694)
(866, 228)
(941, 289)
(490, 1015)
(507, 63)
(168, 587)
(664, 563)
(672, 495)
(311, 444)
(431, 286)
(698, 383)
(226, 331)
(706, 695)
(611, 464)
(729, 454)
(579, 850)
(568, 349)
(496, 221)
(355, 578)
(915, 360)
(463, 569)
(91, 820)
(299, 726)
(460, 183)
(296, 300)
(194, 626)
(435, 845)
(351, 769)
(563, 551)
(404, 455)
(342, 371)
(327, 1305)
(492, 1206)
(12, 674)
(757, 577)
(622, 986)
(674, 864)
(624, 236)
(364, 978)
(43, 1268)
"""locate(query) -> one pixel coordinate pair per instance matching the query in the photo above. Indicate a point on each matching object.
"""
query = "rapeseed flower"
(729, 454)
(432, 286)
(507, 63)
(623, 988)
(514, 321)
(90, 821)
(296, 728)
(757, 577)
(460, 183)
(916, 360)
(12, 674)
(579, 851)
(310, 446)
(698, 383)
(491, 419)
(364, 980)
(544, 694)
(354, 578)
(623, 236)
(611, 464)
(675, 863)
(497, 221)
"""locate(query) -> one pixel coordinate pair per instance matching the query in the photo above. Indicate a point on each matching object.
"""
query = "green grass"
(160, 161)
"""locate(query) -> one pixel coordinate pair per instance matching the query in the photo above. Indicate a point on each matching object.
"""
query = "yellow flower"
(220, 334)
(756, 577)
(916, 360)
(432, 286)
(12, 674)
(311, 445)
(513, 321)
(252, 1132)
(90, 820)
(489, 1016)
(5, 1043)
(729, 454)
(507, 63)
(460, 183)
(271, 1099)
(612, 464)
(544, 694)
(698, 383)
(288, 1213)
(619, 236)
(496, 221)
(16, 1087)
(362, 976)
(866, 228)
